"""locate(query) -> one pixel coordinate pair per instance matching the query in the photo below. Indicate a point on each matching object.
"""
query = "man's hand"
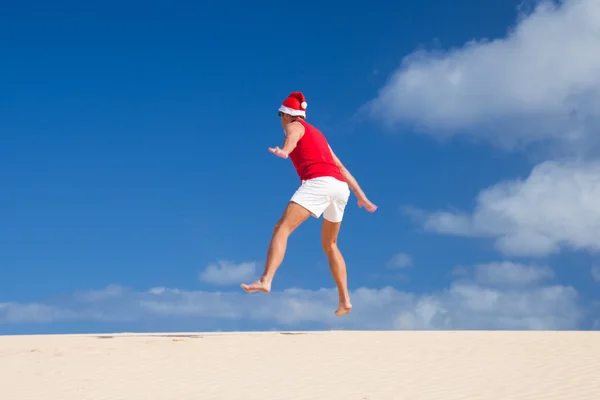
(362, 198)
(293, 133)
(364, 202)
(278, 152)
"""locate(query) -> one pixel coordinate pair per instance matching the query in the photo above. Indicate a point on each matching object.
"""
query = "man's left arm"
(293, 133)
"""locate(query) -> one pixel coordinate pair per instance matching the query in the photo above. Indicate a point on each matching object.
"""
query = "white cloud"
(556, 207)
(110, 292)
(18, 313)
(400, 260)
(538, 84)
(510, 273)
(468, 303)
(596, 273)
(228, 273)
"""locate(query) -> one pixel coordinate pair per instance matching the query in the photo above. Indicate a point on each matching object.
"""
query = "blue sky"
(133, 159)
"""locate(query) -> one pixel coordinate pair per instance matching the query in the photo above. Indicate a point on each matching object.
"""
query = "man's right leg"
(337, 264)
(292, 217)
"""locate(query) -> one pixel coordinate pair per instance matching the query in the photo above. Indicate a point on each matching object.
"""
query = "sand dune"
(305, 365)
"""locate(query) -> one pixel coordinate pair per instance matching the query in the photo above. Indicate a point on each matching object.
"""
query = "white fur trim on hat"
(292, 112)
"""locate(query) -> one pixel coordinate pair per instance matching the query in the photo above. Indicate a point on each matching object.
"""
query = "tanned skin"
(294, 215)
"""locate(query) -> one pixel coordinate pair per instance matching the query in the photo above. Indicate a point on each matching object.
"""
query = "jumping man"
(325, 189)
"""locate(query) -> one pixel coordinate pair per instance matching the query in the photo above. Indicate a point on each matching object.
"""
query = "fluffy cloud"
(539, 84)
(492, 296)
(228, 273)
(400, 260)
(555, 207)
(510, 273)
(596, 273)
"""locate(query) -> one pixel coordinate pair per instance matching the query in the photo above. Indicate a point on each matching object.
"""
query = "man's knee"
(283, 226)
(329, 246)
(279, 227)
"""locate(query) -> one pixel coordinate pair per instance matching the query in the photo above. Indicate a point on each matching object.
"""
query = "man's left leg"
(292, 217)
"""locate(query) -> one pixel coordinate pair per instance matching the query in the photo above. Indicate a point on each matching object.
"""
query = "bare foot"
(258, 286)
(343, 309)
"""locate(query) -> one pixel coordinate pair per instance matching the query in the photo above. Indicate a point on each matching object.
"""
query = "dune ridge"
(344, 365)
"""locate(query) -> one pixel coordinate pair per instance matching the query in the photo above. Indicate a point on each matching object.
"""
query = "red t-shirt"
(312, 157)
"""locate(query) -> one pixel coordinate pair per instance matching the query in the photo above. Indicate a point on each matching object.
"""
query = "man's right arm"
(353, 184)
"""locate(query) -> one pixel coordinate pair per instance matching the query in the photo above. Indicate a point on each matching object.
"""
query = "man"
(324, 190)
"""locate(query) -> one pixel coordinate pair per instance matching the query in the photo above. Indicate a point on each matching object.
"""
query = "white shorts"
(323, 195)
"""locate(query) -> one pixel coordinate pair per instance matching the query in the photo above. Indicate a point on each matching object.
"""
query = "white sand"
(312, 365)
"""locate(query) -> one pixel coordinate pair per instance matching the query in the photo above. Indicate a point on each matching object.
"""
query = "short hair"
(295, 116)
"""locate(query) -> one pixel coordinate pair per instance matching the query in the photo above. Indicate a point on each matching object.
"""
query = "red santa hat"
(294, 104)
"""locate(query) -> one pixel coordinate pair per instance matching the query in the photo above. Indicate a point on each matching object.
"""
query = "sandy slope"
(314, 365)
